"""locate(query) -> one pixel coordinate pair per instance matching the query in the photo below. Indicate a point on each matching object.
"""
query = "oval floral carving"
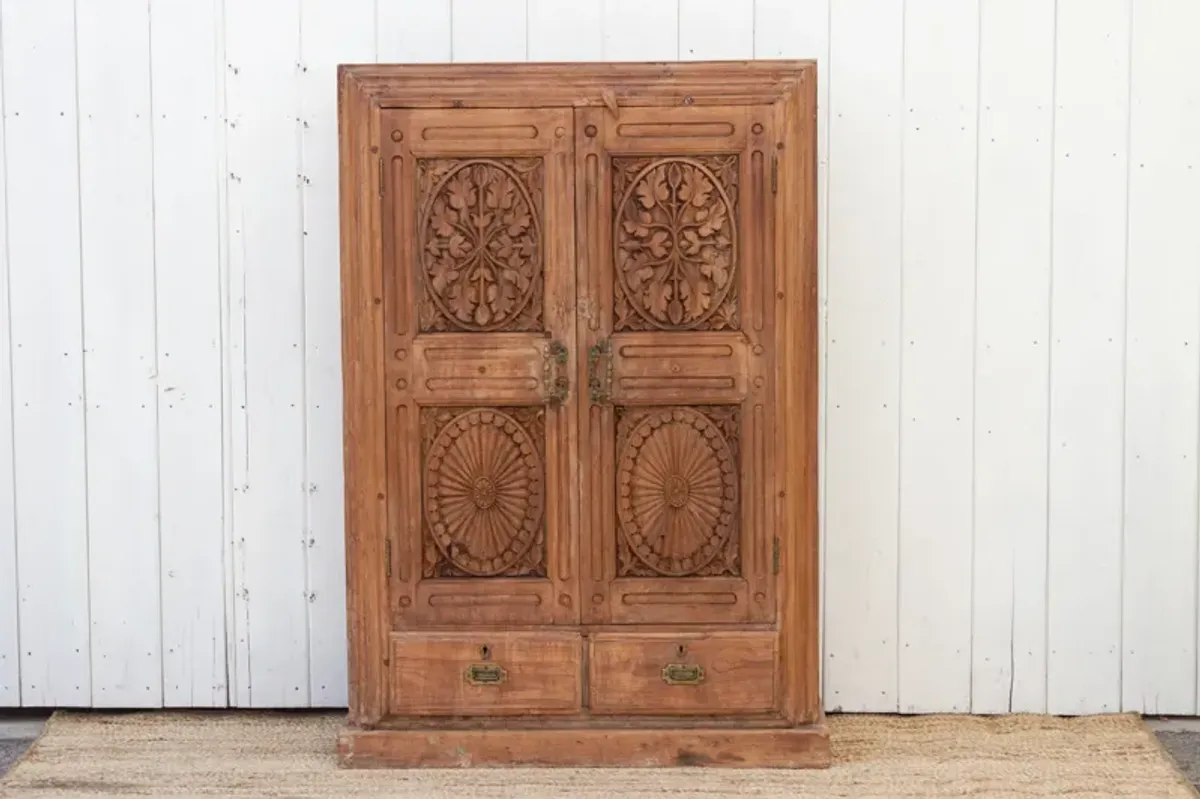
(483, 492)
(676, 243)
(677, 491)
(480, 245)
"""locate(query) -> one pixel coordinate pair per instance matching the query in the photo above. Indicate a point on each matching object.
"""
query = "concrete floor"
(16, 734)
(1180, 737)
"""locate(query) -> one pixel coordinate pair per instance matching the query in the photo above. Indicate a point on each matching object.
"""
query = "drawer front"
(675, 674)
(486, 673)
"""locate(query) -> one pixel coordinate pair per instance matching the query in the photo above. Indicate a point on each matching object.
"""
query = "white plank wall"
(188, 224)
(1087, 343)
(864, 246)
(1012, 321)
(45, 319)
(1010, 295)
(1162, 362)
(10, 657)
(267, 280)
(116, 201)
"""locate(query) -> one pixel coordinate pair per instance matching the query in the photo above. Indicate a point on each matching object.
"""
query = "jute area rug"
(292, 755)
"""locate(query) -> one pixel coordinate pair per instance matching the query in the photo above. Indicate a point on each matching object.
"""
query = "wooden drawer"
(675, 674)
(486, 673)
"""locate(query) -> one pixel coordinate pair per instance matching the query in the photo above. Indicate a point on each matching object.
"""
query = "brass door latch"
(555, 382)
(600, 377)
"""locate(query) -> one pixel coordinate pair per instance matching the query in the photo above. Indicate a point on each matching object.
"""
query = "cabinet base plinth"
(763, 747)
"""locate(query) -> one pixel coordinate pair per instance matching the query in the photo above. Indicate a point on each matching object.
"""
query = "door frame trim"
(363, 90)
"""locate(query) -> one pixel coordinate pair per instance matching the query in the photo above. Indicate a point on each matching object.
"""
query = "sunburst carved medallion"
(675, 243)
(481, 244)
(677, 492)
(484, 493)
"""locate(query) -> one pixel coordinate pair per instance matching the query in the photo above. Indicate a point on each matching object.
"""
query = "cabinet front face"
(674, 215)
(479, 288)
(579, 361)
(581, 374)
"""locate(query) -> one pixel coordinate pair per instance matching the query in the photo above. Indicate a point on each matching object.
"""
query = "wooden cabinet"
(579, 315)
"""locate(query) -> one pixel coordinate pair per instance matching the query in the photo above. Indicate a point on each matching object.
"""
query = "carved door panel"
(674, 214)
(479, 296)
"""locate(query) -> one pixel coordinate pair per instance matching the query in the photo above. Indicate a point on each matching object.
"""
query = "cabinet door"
(480, 284)
(674, 229)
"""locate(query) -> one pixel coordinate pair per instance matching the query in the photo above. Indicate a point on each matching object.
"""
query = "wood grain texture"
(628, 674)
(802, 29)
(449, 674)
(666, 231)
(681, 356)
(479, 308)
(797, 747)
(796, 307)
(364, 400)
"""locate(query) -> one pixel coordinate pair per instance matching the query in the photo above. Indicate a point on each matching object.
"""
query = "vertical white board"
(561, 31)
(1162, 362)
(488, 30)
(188, 133)
(641, 30)
(116, 201)
(1086, 376)
(863, 372)
(10, 658)
(800, 29)
(332, 32)
(413, 31)
(267, 279)
(42, 185)
(1016, 85)
(941, 56)
(716, 30)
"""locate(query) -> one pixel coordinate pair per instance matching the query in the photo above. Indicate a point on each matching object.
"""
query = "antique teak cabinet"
(580, 372)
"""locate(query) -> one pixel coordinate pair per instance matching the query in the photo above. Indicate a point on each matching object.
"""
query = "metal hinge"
(381, 177)
(774, 173)
(387, 557)
(775, 556)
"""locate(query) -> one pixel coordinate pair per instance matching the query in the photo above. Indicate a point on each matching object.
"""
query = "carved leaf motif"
(481, 244)
(675, 242)
(483, 492)
(677, 492)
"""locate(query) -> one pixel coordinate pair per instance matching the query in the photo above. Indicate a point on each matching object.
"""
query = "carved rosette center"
(484, 492)
(677, 491)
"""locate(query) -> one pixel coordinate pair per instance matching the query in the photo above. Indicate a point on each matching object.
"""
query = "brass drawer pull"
(681, 674)
(485, 674)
